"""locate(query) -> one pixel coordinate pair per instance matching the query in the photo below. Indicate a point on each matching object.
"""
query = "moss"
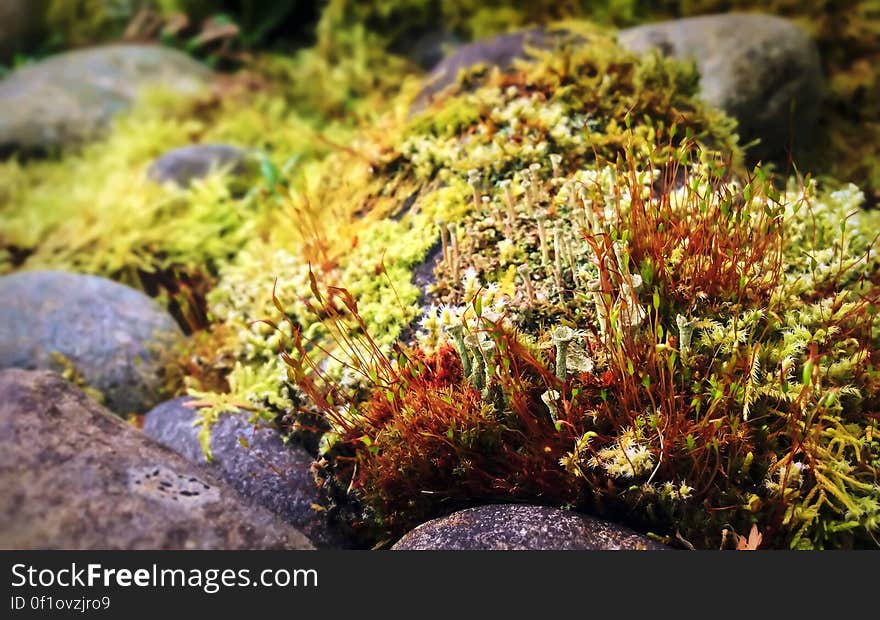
(846, 33)
(763, 413)
(586, 191)
(591, 147)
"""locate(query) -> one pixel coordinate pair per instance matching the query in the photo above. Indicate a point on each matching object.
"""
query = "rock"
(71, 97)
(518, 527)
(266, 471)
(73, 476)
(499, 51)
(19, 22)
(113, 336)
(183, 165)
(760, 69)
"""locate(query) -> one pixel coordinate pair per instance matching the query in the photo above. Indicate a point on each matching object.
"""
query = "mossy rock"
(104, 335)
(71, 97)
(763, 70)
(182, 166)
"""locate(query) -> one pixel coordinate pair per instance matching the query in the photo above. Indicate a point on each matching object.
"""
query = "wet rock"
(113, 337)
(19, 22)
(71, 97)
(266, 470)
(762, 70)
(74, 476)
(518, 527)
(183, 165)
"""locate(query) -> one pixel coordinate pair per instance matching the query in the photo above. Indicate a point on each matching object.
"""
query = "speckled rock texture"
(113, 336)
(514, 527)
(70, 97)
(762, 70)
(19, 21)
(73, 476)
(183, 165)
(267, 471)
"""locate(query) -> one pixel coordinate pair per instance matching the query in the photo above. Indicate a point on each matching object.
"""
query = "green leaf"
(269, 172)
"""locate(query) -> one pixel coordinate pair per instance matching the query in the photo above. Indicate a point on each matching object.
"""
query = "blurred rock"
(72, 96)
(760, 69)
(19, 23)
(267, 471)
(499, 51)
(518, 527)
(183, 165)
(73, 476)
(114, 337)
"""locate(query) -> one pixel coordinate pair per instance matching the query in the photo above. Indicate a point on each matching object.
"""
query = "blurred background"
(372, 45)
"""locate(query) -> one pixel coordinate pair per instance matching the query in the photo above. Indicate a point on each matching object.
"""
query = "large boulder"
(182, 166)
(71, 97)
(19, 22)
(73, 476)
(110, 336)
(502, 527)
(762, 70)
(252, 459)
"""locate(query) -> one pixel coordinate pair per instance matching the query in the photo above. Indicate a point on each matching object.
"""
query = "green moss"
(356, 194)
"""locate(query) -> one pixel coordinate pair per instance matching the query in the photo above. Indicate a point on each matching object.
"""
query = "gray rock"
(760, 69)
(71, 97)
(113, 336)
(185, 164)
(499, 51)
(267, 471)
(19, 22)
(73, 476)
(518, 527)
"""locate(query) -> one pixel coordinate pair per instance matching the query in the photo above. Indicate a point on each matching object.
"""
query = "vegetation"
(558, 284)
(693, 355)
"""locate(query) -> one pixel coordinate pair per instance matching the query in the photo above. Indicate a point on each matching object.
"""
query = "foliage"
(403, 178)
(846, 32)
(87, 22)
(713, 378)
(557, 284)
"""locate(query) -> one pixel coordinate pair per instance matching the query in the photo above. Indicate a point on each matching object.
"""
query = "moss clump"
(847, 34)
(404, 178)
(626, 321)
(696, 356)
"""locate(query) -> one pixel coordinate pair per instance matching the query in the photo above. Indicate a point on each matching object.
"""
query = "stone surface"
(762, 70)
(499, 51)
(19, 21)
(185, 164)
(113, 336)
(519, 527)
(73, 476)
(266, 471)
(71, 97)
